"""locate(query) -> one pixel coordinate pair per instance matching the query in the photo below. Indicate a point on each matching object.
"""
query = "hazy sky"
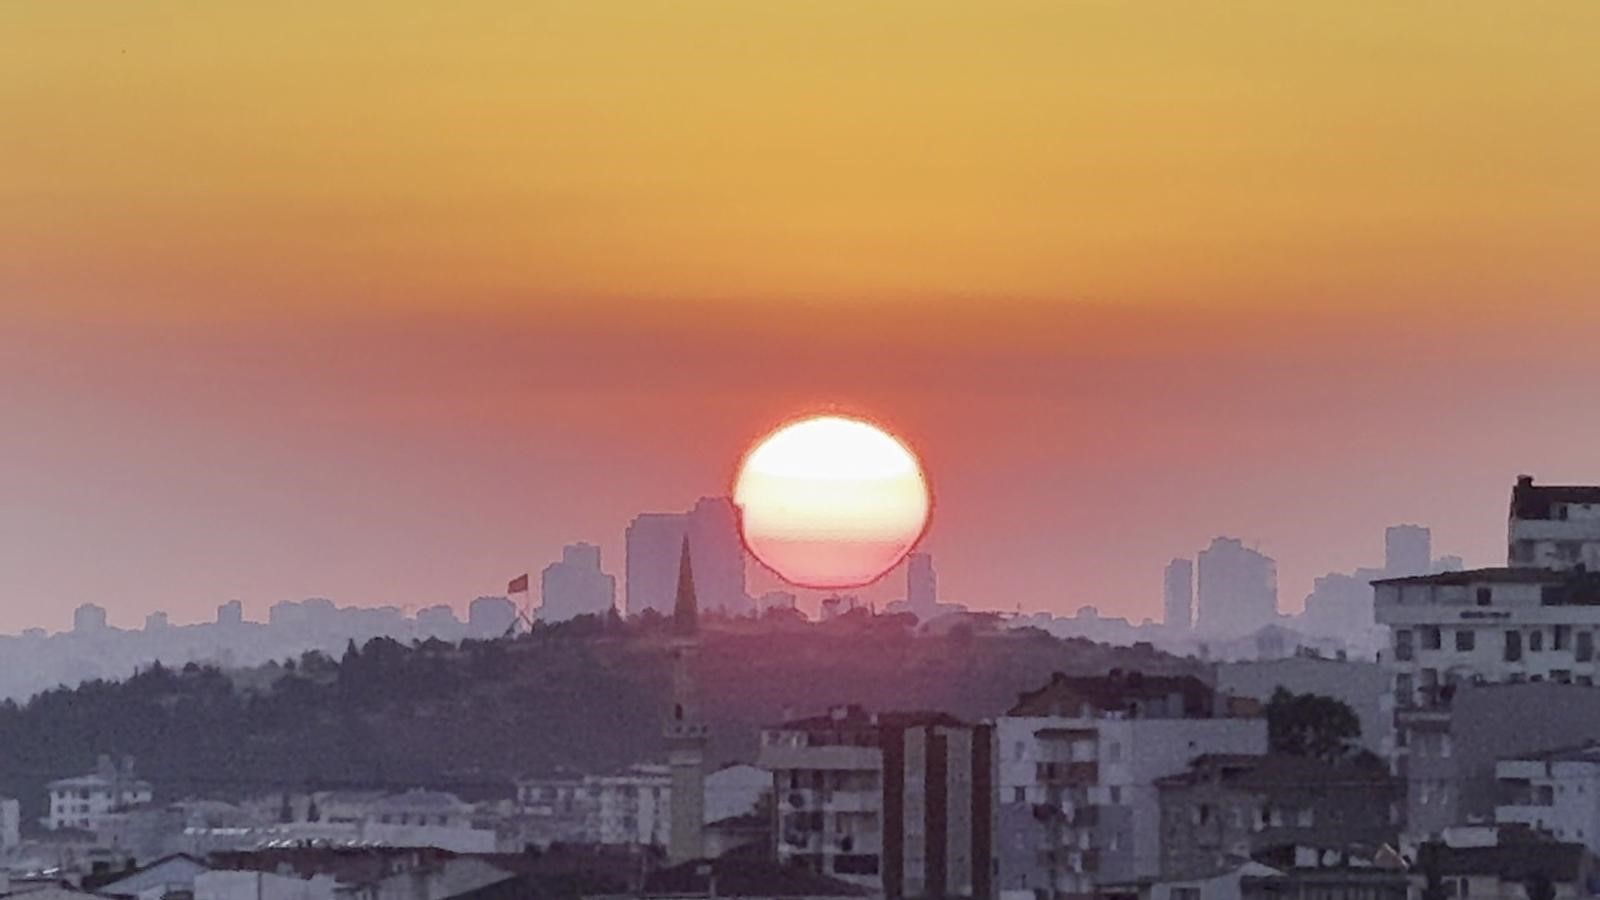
(385, 302)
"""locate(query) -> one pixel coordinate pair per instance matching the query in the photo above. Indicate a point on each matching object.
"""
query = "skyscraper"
(1178, 595)
(685, 734)
(230, 613)
(718, 554)
(575, 586)
(1238, 589)
(490, 617)
(922, 585)
(1407, 551)
(653, 541)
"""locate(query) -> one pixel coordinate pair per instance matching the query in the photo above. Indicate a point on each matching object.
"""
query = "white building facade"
(79, 802)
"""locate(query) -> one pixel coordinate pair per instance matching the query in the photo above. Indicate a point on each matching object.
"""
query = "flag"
(518, 585)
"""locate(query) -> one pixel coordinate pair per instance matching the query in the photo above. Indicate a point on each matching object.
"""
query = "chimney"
(1524, 481)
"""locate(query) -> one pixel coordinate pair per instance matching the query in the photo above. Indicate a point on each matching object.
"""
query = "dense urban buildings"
(1177, 595)
(1238, 588)
(575, 586)
(1080, 759)
(1553, 526)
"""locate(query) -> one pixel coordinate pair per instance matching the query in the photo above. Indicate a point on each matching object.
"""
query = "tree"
(1311, 725)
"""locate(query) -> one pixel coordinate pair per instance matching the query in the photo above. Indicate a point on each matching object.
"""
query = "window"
(1116, 795)
(1403, 692)
(1466, 640)
(1513, 646)
(1561, 676)
(1019, 795)
(1536, 640)
(1561, 637)
(1185, 893)
(1485, 596)
(1431, 638)
(1020, 750)
(1584, 651)
(1402, 645)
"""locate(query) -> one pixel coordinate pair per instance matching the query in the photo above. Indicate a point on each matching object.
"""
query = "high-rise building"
(1177, 595)
(1407, 551)
(230, 613)
(155, 621)
(575, 586)
(922, 585)
(719, 556)
(653, 541)
(88, 619)
(1238, 589)
(653, 544)
(902, 804)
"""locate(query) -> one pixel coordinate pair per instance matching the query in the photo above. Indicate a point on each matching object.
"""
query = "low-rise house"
(78, 802)
(170, 876)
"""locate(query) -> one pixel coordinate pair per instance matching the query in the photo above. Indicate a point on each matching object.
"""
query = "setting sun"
(831, 502)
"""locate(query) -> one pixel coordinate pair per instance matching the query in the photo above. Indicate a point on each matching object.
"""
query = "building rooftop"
(1132, 693)
(748, 878)
(1585, 752)
(853, 718)
(1534, 501)
(1492, 575)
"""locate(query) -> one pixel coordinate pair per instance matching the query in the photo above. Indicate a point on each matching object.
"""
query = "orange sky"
(387, 302)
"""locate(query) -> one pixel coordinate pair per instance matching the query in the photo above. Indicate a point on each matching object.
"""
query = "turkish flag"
(518, 585)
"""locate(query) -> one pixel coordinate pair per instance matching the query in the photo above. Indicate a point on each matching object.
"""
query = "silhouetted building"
(1238, 588)
(438, 621)
(1407, 551)
(155, 621)
(718, 553)
(230, 613)
(653, 544)
(575, 586)
(1177, 595)
(490, 617)
(88, 619)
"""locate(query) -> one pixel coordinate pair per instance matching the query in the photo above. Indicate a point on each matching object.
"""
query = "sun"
(831, 502)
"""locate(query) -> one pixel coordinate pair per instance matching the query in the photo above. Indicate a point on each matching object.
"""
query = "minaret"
(686, 735)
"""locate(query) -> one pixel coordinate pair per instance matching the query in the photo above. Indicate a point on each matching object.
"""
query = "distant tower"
(1407, 551)
(686, 735)
(575, 586)
(922, 585)
(230, 613)
(89, 619)
(1178, 595)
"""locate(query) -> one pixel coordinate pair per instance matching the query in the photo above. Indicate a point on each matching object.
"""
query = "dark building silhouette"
(1177, 595)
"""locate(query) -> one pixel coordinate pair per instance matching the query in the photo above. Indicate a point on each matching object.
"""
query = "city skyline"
(1123, 288)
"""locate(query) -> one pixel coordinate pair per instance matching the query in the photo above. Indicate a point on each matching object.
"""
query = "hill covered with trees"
(587, 695)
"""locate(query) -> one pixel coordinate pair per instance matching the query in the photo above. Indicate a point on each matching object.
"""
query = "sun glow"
(831, 502)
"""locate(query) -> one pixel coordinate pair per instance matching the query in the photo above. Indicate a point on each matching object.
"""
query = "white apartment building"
(1557, 792)
(79, 802)
(1078, 764)
(633, 806)
(1536, 620)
